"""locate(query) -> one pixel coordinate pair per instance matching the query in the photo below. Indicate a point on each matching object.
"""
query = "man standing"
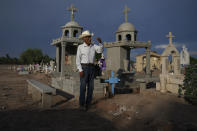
(85, 65)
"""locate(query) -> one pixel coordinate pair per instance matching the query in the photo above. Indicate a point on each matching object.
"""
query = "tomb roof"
(72, 24)
(126, 27)
(152, 53)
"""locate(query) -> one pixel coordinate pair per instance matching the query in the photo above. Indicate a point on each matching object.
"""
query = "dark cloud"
(34, 23)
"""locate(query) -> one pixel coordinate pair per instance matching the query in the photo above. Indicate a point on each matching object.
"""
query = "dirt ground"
(149, 110)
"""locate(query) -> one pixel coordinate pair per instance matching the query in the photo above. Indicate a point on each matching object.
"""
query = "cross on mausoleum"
(72, 9)
(126, 10)
(112, 80)
(170, 36)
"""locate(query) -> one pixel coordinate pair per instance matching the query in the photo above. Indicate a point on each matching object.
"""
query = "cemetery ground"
(148, 110)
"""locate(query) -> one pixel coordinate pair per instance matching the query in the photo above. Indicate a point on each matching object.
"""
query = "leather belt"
(87, 64)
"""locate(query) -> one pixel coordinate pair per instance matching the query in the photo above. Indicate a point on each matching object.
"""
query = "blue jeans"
(86, 80)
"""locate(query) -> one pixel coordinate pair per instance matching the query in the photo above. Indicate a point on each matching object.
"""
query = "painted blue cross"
(112, 80)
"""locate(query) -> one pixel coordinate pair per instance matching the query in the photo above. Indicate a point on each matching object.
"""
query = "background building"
(155, 61)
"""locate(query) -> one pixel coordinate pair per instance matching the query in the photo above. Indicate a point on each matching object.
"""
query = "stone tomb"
(170, 78)
(71, 85)
(66, 77)
(41, 92)
(118, 52)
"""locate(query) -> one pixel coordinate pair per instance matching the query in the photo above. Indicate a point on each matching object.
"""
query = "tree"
(193, 60)
(3, 60)
(8, 60)
(190, 84)
(31, 56)
(46, 59)
(15, 60)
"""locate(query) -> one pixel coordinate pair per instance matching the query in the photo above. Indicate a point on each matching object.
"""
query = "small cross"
(126, 10)
(112, 80)
(72, 9)
(170, 36)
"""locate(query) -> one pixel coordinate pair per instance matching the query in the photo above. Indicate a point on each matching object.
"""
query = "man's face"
(87, 40)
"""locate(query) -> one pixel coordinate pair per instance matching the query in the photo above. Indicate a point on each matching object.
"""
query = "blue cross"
(112, 80)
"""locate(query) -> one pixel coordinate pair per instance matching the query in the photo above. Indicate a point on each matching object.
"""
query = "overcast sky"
(34, 23)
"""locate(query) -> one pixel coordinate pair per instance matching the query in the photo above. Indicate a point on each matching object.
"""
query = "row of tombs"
(66, 77)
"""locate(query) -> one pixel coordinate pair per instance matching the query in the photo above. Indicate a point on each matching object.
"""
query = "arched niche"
(75, 33)
(170, 60)
(128, 37)
(119, 37)
(66, 33)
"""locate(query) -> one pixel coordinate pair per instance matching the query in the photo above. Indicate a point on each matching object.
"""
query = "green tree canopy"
(8, 60)
(190, 84)
(31, 56)
(46, 59)
(193, 60)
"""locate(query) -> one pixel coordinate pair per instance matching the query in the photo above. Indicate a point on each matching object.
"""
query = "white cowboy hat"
(85, 33)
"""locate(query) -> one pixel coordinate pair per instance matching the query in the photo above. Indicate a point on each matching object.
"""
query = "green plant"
(190, 84)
